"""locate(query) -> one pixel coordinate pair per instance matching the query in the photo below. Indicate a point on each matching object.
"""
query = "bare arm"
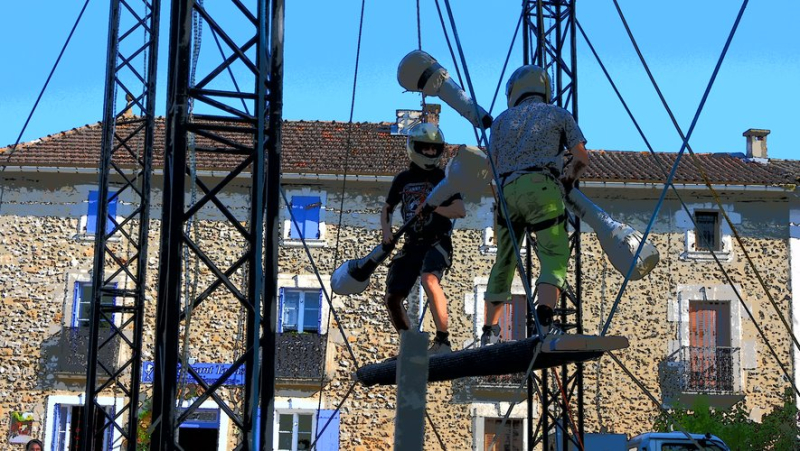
(386, 223)
(453, 211)
(580, 162)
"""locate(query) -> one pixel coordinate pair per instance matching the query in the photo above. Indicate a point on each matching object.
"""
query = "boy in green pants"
(527, 148)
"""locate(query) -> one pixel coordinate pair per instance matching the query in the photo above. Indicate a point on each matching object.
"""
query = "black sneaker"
(490, 335)
(439, 347)
(545, 316)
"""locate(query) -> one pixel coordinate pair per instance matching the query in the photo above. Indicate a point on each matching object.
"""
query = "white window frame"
(489, 243)
(308, 282)
(304, 294)
(288, 241)
(726, 253)
(679, 312)
(84, 276)
(483, 411)
(303, 406)
(474, 303)
(77, 400)
(295, 428)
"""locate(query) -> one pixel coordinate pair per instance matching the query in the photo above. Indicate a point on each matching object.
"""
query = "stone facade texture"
(43, 253)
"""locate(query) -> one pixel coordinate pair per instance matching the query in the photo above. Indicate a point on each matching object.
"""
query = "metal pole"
(273, 181)
(169, 277)
(86, 439)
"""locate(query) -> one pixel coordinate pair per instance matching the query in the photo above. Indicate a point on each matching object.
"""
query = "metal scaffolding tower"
(122, 226)
(209, 117)
(549, 41)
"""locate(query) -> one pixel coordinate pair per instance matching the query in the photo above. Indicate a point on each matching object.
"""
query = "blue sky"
(681, 40)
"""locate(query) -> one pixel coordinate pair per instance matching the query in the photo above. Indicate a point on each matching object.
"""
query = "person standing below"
(527, 147)
(427, 251)
(34, 445)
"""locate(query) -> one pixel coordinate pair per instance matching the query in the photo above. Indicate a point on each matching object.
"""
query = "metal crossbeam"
(213, 116)
(121, 241)
(549, 41)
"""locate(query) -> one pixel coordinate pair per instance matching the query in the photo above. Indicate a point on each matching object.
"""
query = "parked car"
(676, 441)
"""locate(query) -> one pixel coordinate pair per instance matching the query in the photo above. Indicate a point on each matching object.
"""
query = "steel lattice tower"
(549, 41)
(121, 238)
(208, 117)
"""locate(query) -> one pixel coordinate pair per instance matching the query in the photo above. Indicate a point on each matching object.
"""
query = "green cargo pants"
(531, 199)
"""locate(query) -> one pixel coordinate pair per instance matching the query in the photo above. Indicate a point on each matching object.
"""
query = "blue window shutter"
(306, 210)
(297, 218)
(94, 207)
(257, 429)
(280, 311)
(91, 216)
(112, 213)
(329, 439)
(312, 218)
(319, 313)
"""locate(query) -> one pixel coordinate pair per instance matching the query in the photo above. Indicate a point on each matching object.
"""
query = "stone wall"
(41, 254)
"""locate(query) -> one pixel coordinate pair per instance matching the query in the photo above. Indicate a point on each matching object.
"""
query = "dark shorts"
(416, 259)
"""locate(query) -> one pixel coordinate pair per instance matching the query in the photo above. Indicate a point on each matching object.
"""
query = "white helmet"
(418, 137)
(525, 81)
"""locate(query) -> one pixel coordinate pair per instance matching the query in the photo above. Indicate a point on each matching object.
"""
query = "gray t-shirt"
(532, 135)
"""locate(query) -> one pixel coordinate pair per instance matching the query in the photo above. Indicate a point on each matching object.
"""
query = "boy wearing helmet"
(427, 250)
(527, 147)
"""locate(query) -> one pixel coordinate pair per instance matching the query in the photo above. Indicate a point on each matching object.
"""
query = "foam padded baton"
(420, 72)
(503, 358)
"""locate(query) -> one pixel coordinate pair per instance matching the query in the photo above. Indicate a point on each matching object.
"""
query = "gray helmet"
(527, 80)
(418, 137)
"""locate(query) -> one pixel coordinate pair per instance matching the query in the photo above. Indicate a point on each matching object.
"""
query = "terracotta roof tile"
(322, 147)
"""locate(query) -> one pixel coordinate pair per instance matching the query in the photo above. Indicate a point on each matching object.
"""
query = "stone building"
(689, 332)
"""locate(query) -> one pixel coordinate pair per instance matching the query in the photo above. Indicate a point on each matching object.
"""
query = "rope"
(505, 64)
(683, 145)
(569, 411)
(651, 397)
(13, 148)
(348, 148)
(495, 175)
(692, 219)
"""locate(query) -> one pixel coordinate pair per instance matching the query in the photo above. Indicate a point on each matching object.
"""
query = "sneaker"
(490, 335)
(439, 347)
(545, 316)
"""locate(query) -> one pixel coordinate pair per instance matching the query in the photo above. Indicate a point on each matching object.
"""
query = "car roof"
(671, 435)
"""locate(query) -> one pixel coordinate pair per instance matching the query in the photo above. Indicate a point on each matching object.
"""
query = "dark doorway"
(200, 439)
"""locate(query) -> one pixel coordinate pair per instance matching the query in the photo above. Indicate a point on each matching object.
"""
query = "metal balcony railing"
(710, 370)
(300, 356)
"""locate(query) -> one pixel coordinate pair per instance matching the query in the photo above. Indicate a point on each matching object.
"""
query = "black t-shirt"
(411, 187)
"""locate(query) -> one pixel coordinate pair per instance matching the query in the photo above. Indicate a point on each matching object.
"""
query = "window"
(513, 318)
(707, 232)
(82, 307)
(306, 213)
(90, 220)
(710, 353)
(509, 437)
(300, 310)
(67, 425)
(297, 430)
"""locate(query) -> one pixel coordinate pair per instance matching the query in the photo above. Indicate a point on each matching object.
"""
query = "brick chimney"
(432, 111)
(756, 143)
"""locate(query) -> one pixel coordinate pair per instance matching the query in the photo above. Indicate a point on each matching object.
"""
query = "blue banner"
(209, 372)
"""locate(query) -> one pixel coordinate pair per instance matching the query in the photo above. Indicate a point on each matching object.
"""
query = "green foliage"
(778, 430)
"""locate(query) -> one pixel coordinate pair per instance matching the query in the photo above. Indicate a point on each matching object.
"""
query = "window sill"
(707, 256)
(299, 243)
(90, 237)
